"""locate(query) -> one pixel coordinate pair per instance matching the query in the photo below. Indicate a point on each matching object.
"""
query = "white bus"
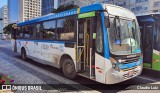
(100, 42)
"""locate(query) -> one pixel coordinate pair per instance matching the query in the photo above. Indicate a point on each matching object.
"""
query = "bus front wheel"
(69, 69)
(23, 54)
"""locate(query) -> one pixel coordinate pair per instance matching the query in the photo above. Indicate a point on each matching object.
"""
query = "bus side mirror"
(107, 22)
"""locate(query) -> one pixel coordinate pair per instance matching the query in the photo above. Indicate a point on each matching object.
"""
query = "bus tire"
(23, 54)
(69, 69)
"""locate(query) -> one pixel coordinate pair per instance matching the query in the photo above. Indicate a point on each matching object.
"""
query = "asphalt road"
(39, 71)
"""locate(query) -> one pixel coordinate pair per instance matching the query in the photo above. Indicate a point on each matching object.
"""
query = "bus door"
(86, 46)
(148, 43)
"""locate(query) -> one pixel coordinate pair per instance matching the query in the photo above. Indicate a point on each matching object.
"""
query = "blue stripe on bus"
(94, 7)
(106, 48)
(129, 65)
(46, 41)
(50, 16)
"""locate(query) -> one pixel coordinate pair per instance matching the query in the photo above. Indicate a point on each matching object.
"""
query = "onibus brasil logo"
(5, 82)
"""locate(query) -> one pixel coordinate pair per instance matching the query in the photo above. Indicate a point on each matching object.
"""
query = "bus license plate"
(131, 73)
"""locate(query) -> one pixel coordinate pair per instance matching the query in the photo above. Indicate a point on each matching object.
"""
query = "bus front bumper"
(113, 76)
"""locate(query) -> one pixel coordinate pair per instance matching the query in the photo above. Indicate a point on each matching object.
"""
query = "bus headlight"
(114, 64)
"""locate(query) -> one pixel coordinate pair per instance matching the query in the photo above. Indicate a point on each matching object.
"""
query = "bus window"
(49, 30)
(99, 38)
(26, 32)
(19, 33)
(13, 35)
(65, 28)
(38, 33)
(31, 31)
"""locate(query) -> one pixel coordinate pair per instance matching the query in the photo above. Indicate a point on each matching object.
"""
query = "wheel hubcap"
(69, 68)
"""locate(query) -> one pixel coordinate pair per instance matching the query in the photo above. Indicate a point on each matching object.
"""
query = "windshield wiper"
(119, 34)
(133, 33)
(133, 29)
(117, 31)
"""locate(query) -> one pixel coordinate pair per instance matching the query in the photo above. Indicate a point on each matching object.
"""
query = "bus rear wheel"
(23, 54)
(69, 69)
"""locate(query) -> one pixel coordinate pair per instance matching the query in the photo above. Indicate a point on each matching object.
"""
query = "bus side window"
(31, 31)
(65, 28)
(49, 30)
(99, 37)
(19, 33)
(38, 31)
(23, 30)
(13, 35)
(60, 28)
(26, 32)
(34, 29)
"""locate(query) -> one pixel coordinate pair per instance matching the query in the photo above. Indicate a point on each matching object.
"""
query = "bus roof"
(94, 7)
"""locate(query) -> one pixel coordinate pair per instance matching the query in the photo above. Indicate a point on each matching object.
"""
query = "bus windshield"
(124, 36)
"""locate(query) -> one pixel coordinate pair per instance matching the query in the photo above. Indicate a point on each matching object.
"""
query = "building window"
(49, 30)
(140, 1)
(139, 8)
(157, 3)
(122, 4)
(65, 28)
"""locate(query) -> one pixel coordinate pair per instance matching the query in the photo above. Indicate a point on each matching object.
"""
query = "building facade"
(12, 11)
(4, 16)
(29, 9)
(80, 3)
(139, 7)
(48, 6)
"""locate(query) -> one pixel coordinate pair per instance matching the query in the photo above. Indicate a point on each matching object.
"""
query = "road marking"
(147, 79)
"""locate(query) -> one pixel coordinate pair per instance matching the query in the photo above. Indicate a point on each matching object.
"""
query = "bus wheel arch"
(68, 67)
(63, 57)
(23, 53)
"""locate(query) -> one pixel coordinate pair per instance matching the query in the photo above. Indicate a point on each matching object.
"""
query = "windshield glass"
(124, 36)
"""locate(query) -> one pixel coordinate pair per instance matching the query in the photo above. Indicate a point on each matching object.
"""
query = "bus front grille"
(130, 68)
(130, 60)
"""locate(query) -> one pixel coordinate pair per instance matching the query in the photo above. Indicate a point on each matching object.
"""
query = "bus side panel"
(37, 50)
(72, 53)
(27, 45)
(100, 68)
(19, 45)
(52, 51)
(30, 47)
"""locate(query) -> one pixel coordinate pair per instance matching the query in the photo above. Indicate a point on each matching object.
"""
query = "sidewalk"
(25, 73)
